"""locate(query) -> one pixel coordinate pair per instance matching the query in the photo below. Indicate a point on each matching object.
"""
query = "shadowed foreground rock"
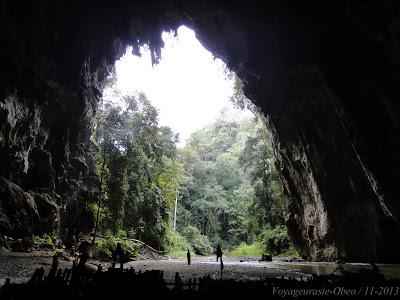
(79, 283)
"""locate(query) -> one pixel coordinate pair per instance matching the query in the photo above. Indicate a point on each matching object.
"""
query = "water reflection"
(323, 268)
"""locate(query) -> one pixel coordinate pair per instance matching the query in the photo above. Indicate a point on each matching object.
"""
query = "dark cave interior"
(324, 73)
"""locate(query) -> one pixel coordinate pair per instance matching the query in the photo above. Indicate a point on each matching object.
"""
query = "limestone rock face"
(48, 173)
(46, 118)
(48, 213)
(18, 210)
(333, 210)
(325, 73)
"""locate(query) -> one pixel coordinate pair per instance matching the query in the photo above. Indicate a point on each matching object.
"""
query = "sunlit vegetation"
(43, 242)
(224, 181)
(255, 249)
(231, 192)
(106, 246)
(177, 245)
(135, 159)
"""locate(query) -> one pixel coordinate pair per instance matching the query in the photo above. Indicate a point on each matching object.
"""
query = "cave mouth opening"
(216, 184)
(321, 72)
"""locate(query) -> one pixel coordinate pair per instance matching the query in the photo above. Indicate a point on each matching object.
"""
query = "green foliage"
(258, 160)
(291, 252)
(177, 245)
(122, 233)
(137, 168)
(255, 249)
(104, 248)
(170, 180)
(276, 240)
(200, 243)
(43, 242)
(185, 218)
(231, 190)
(239, 99)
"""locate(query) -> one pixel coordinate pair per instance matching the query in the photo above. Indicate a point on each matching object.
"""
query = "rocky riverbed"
(19, 266)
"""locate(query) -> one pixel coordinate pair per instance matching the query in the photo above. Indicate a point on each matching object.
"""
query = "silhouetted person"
(84, 247)
(118, 255)
(83, 257)
(219, 252)
(188, 257)
(84, 254)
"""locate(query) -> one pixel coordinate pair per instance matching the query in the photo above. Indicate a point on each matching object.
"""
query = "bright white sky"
(188, 86)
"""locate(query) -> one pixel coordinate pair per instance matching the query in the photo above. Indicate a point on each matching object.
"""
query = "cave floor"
(251, 268)
(20, 267)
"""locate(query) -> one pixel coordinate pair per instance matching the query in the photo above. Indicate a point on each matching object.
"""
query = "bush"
(276, 240)
(122, 233)
(43, 242)
(291, 252)
(255, 249)
(104, 248)
(176, 244)
(200, 243)
(278, 244)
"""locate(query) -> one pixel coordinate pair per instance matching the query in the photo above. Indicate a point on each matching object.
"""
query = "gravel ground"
(20, 267)
(203, 266)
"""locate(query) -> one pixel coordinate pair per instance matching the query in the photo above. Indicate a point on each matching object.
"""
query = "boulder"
(48, 213)
(266, 257)
(18, 210)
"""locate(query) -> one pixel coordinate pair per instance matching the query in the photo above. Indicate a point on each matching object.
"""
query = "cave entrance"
(184, 158)
(324, 75)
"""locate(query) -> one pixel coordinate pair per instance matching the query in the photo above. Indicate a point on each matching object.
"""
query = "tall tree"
(141, 172)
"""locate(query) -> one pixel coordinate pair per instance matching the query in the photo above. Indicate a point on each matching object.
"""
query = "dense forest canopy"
(231, 191)
(223, 180)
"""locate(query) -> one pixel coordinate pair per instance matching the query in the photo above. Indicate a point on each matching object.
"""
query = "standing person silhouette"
(188, 257)
(118, 255)
(219, 252)
(83, 249)
(83, 258)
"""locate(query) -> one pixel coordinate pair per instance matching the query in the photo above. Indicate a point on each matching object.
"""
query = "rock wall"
(44, 173)
(333, 210)
(325, 73)
(46, 118)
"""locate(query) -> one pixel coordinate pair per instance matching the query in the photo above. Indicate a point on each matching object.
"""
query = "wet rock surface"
(326, 75)
(18, 210)
(40, 182)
